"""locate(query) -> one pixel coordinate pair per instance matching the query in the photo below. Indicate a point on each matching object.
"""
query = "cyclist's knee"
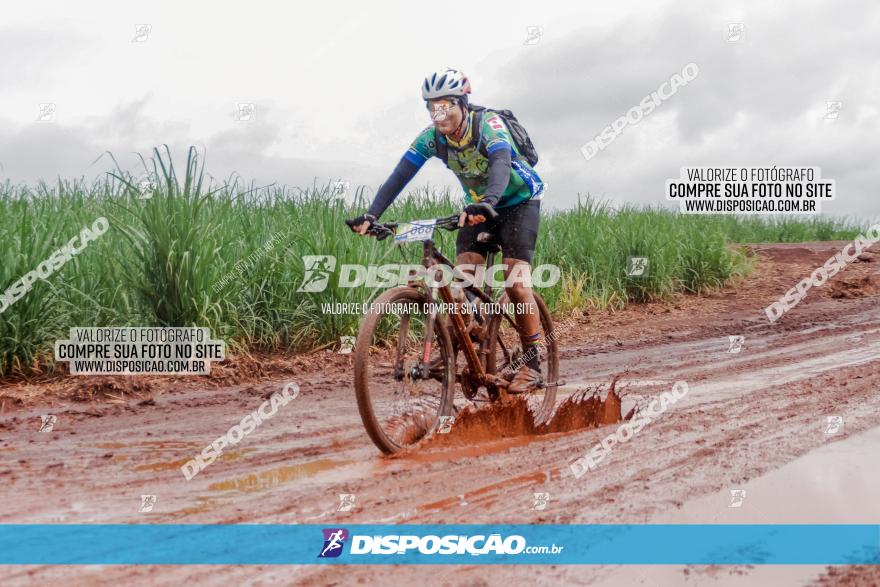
(519, 292)
(518, 279)
(521, 296)
(469, 258)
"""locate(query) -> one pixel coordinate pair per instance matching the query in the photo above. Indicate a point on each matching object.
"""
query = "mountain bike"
(405, 356)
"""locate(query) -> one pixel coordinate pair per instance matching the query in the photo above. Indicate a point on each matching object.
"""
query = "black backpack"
(520, 137)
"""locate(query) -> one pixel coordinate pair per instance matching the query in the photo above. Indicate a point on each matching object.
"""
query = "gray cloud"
(74, 151)
(756, 102)
(32, 55)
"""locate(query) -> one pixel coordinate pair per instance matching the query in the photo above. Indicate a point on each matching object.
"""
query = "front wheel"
(404, 383)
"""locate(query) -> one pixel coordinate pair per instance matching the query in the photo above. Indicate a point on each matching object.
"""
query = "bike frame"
(431, 257)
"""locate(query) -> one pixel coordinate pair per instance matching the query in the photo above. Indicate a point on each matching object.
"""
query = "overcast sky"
(336, 87)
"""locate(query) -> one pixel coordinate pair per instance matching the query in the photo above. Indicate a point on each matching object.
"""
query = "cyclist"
(494, 176)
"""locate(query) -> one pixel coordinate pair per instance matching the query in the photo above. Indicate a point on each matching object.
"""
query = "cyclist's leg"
(469, 254)
(519, 292)
(469, 251)
(468, 258)
(519, 234)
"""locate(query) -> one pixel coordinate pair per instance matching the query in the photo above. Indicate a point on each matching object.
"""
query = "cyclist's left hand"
(476, 213)
(361, 224)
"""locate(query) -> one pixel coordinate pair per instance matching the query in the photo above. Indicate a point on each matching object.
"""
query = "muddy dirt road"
(747, 415)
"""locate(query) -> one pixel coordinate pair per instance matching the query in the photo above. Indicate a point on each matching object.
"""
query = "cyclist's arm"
(499, 175)
(499, 149)
(419, 151)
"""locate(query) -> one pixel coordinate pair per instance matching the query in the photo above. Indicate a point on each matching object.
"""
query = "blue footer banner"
(181, 544)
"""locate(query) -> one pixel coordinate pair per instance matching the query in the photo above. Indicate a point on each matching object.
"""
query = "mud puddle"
(278, 476)
(486, 495)
(834, 484)
(231, 455)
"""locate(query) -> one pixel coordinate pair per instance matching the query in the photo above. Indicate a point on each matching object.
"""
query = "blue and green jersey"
(471, 166)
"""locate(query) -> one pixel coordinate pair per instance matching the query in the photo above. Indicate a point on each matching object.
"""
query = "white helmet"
(446, 82)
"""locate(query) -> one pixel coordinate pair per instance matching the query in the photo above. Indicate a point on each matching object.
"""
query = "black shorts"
(515, 229)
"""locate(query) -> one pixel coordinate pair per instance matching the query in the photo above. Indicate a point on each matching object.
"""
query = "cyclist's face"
(445, 113)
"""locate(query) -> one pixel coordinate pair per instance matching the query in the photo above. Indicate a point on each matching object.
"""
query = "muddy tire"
(503, 346)
(397, 409)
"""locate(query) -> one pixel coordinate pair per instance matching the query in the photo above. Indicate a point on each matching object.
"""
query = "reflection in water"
(273, 477)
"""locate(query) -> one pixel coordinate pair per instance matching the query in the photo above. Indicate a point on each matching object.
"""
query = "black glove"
(484, 208)
(353, 224)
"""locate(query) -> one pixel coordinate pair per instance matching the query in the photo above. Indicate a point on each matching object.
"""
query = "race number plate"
(415, 231)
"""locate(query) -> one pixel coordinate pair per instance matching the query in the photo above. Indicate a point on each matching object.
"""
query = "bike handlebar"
(382, 230)
(378, 229)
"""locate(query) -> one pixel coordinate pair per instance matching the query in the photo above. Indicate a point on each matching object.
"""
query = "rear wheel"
(505, 355)
(400, 395)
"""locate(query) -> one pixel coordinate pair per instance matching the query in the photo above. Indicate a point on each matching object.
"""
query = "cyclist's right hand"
(362, 223)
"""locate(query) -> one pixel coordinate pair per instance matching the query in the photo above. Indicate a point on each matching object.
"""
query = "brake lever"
(449, 223)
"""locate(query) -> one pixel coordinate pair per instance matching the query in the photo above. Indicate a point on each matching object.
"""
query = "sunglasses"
(440, 110)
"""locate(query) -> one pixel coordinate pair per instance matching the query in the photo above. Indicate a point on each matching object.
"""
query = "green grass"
(163, 260)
